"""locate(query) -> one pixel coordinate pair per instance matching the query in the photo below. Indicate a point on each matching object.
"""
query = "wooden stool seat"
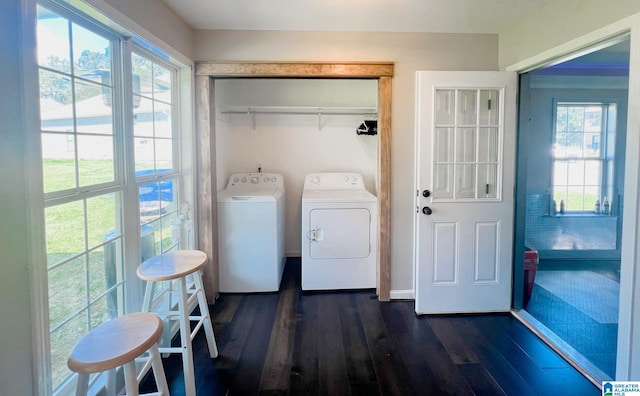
(172, 265)
(119, 342)
(176, 266)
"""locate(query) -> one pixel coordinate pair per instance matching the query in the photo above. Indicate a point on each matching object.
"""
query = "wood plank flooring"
(349, 343)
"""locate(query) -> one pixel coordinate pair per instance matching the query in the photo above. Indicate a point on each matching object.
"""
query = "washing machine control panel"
(256, 179)
(334, 181)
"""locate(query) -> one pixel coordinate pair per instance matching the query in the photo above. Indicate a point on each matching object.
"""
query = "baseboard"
(402, 294)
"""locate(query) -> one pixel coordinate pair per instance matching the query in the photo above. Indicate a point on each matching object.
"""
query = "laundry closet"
(294, 127)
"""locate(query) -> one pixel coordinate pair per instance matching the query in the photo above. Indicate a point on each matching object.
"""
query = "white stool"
(119, 342)
(178, 265)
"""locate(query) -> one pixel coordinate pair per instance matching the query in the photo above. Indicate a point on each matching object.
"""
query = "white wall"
(294, 144)
(154, 21)
(560, 22)
(16, 349)
(410, 52)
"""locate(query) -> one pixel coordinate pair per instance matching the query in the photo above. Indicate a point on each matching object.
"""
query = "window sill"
(580, 214)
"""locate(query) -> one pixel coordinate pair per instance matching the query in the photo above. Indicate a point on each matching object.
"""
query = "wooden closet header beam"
(295, 69)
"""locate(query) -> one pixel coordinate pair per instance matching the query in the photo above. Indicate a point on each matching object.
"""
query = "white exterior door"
(465, 158)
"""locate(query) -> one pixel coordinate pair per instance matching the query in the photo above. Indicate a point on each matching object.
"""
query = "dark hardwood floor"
(348, 343)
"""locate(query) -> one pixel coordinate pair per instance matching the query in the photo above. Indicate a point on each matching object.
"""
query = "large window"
(108, 122)
(581, 154)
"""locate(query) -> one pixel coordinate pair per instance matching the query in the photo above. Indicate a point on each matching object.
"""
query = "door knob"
(426, 193)
(427, 210)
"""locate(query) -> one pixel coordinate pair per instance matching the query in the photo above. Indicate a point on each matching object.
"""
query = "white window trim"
(37, 255)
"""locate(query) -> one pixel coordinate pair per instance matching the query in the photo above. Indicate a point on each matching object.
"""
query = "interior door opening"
(571, 163)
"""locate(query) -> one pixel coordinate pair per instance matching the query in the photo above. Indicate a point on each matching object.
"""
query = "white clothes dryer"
(251, 233)
(339, 232)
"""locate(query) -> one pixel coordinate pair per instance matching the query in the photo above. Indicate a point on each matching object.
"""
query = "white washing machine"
(339, 232)
(251, 233)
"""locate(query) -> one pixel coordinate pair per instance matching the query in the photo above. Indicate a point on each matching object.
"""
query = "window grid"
(467, 144)
(579, 156)
(83, 139)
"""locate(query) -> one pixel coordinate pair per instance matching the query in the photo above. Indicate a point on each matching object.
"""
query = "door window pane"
(489, 107)
(465, 144)
(443, 181)
(445, 107)
(467, 164)
(443, 144)
(465, 181)
(487, 144)
(466, 108)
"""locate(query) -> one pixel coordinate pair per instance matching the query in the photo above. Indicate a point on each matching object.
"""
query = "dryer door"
(339, 233)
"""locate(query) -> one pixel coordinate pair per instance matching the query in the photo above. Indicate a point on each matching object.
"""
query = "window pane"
(91, 53)
(562, 119)
(93, 115)
(592, 145)
(489, 107)
(465, 144)
(488, 145)
(164, 155)
(96, 163)
(467, 108)
(65, 231)
(576, 173)
(62, 342)
(443, 181)
(575, 119)
(487, 181)
(53, 41)
(445, 107)
(465, 181)
(593, 173)
(101, 219)
(67, 291)
(58, 162)
(161, 84)
(143, 118)
(560, 173)
(162, 120)
(443, 144)
(56, 111)
(170, 231)
(142, 68)
(114, 275)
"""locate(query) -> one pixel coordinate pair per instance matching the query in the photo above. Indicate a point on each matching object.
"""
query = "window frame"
(605, 153)
(125, 183)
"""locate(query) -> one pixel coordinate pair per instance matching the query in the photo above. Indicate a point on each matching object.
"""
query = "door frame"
(628, 349)
(205, 75)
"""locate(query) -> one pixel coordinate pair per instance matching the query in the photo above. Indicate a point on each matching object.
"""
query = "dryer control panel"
(334, 181)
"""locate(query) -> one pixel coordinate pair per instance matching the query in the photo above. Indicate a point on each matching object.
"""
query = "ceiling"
(441, 16)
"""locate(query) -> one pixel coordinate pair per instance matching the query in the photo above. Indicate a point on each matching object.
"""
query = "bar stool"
(178, 265)
(119, 342)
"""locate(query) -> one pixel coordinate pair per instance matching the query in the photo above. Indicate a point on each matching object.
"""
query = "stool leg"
(185, 337)
(204, 311)
(148, 295)
(83, 385)
(130, 378)
(158, 371)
